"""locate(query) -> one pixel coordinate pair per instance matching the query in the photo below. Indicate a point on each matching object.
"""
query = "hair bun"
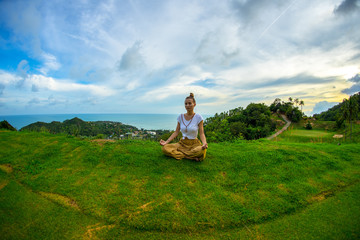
(192, 95)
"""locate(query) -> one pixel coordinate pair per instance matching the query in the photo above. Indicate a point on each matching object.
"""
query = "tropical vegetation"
(292, 112)
(336, 112)
(255, 121)
(345, 114)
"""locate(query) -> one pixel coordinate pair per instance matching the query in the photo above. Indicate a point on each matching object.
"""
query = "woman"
(190, 124)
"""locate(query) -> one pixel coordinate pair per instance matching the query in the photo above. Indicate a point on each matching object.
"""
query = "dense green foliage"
(350, 112)
(254, 122)
(60, 187)
(292, 112)
(5, 125)
(331, 114)
(78, 127)
(345, 114)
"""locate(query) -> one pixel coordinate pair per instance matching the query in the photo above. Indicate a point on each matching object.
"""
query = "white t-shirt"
(191, 131)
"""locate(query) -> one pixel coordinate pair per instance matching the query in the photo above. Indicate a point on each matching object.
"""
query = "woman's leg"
(171, 150)
(197, 153)
(192, 149)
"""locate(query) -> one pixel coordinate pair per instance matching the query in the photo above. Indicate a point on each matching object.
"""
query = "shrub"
(99, 136)
(308, 125)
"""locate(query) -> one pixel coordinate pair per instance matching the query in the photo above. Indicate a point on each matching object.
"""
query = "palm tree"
(354, 110)
(345, 110)
(350, 110)
(296, 101)
(290, 99)
(301, 104)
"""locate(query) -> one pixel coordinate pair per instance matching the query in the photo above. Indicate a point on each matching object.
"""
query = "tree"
(350, 110)
(336, 112)
(296, 101)
(308, 125)
(294, 114)
(250, 123)
(275, 105)
(238, 129)
(301, 103)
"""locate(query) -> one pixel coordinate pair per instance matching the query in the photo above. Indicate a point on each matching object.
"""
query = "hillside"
(78, 127)
(61, 187)
(5, 125)
(334, 113)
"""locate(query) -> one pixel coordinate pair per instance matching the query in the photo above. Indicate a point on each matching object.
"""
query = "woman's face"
(189, 104)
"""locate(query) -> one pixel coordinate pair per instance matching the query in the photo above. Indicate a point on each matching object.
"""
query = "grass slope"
(322, 132)
(54, 186)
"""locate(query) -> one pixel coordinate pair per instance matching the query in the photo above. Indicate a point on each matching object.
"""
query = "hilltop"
(5, 125)
(62, 187)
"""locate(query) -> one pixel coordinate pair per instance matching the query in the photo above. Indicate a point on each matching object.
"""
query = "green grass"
(130, 189)
(322, 132)
(310, 133)
(307, 136)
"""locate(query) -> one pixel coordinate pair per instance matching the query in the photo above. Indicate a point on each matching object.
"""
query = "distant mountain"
(78, 127)
(5, 125)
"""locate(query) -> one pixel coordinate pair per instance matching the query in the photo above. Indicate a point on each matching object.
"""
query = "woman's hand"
(205, 146)
(162, 142)
(174, 135)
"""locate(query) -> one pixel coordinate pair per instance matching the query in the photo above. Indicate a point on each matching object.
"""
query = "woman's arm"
(174, 135)
(202, 135)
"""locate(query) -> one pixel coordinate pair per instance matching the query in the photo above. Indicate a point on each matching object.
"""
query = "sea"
(145, 121)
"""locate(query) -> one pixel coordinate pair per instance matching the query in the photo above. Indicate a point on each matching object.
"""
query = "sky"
(146, 56)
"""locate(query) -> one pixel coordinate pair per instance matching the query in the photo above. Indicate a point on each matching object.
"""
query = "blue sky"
(133, 56)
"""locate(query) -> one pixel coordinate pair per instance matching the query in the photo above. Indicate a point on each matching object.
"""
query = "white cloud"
(37, 82)
(50, 63)
(228, 52)
(7, 78)
(49, 83)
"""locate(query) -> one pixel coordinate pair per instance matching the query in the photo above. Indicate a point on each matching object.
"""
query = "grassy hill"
(61, 187)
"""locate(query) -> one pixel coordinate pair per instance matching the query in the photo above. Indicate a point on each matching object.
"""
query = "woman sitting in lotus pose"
(189, 124)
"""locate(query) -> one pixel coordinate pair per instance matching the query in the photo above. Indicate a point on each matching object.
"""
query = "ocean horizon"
(139, 120)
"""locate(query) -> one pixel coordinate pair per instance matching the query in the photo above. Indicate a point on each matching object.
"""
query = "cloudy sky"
(146, 56)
